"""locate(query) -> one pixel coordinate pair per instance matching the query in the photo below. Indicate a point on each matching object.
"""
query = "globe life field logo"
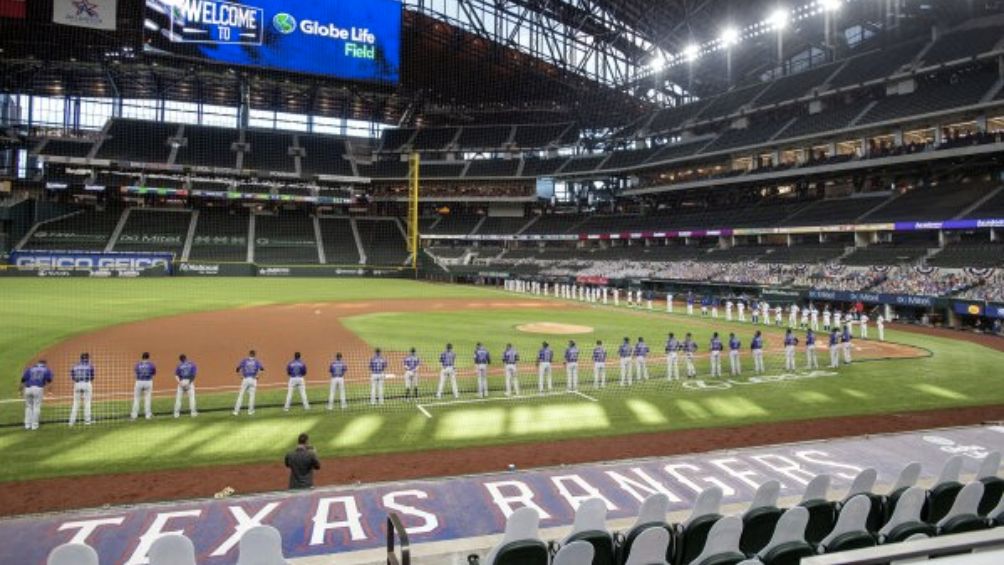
(284, 23)
(360, 43)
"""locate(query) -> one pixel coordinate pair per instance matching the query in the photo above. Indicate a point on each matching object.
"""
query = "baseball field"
(216, 321)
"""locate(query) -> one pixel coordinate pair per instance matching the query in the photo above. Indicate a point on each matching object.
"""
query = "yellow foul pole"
(413, 184)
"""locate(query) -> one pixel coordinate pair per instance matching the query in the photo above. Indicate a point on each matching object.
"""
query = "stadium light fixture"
(730, 36)
(691, 52)
(830, 5)
(779, 19)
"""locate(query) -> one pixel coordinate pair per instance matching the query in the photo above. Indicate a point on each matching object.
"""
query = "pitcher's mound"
(551, 328)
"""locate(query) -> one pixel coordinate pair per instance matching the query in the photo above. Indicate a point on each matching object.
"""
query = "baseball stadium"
(501, 282)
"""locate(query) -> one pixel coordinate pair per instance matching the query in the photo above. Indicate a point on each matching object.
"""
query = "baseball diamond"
(430, 282)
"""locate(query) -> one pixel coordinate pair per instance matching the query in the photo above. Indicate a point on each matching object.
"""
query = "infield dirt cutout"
(551, 328)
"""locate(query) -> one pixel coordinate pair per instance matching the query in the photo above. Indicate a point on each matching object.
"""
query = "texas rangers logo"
(86, 8)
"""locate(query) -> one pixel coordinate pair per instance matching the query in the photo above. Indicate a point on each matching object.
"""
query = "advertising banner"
(83, 261)
(16, 9)
(341, 38)
(874, 298)
(983, 309)
(93, 14)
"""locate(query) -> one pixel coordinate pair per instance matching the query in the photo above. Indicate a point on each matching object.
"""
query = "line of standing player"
(633, 362)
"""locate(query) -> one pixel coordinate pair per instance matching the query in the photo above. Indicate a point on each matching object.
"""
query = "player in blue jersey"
(834, 345)
(625, 351)
(448, 371)
(82, 375)
(143, 390)
(845, 344)
(411, 365)
(482, 358)
(599, 365)
(790, 341)
(544, 358)
(689, 349)
(337, 370)
(811, 362)
(184, 375)
(735, 368)
(572, 367)
(33, 383)
(641, 360)
(510, 360)
(716, 355)
(296, 370)
(672, 357)
(756, 347)
(248, 369)
(378, 368)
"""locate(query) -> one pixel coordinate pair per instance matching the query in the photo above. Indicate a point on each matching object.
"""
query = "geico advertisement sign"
(104, 263)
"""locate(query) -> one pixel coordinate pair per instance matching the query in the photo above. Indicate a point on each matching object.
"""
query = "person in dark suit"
(302, 462)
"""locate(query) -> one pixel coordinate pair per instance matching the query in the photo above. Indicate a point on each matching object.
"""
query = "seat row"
(766, 534)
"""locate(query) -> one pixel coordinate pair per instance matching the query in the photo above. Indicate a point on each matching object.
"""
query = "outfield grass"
(956, 374)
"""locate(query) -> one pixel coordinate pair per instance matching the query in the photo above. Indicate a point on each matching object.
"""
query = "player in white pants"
(599, 366)
(82, 375)
(716, 355)
(672, 358)
(296, 370)
(184, 375)
(378, 368)
(811, 362)
(741, 309)
(544, 358)
(481, 360)
(641, 360)
(756, 346)
(880, 327)
(834, 348)
(689, 349)
(790, 341)
(572, 367)
(337, 369)
(248, 368)
(624, 353)
(510, 359)
(411, 364)
(729, 305)
(864, 326)
(735, 369)
(448, 371)
(845, 344)
(33, 383)
(143, 389)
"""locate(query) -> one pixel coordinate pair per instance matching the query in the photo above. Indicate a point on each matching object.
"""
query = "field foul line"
(423, 410)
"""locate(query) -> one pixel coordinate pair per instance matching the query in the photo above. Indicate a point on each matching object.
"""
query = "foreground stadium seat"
(864, 485)
(591, 526)
(649, 548)
(962, 516)
(261, 545)
(822, 511)
(722, 546)
(651, 514)
(575, 553)
(905, 521)
(993, 485)
(851, 529)
(908, 478)
(172, 549)
(944, 491)
(788, 546)
(997, 514)
(761, 518)
(693, 533)
(73, 554)
(521, 544)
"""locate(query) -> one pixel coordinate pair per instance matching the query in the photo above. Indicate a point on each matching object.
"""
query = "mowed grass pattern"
(956, 374)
